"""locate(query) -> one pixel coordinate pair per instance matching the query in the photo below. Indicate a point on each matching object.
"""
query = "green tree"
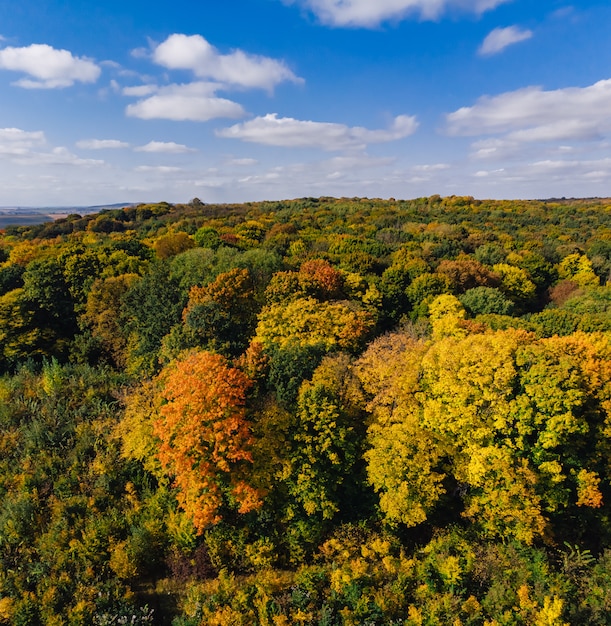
(326, 440)
(490, 254)
(10, 277)
(150, 307)
(207, 237)
(80, 266)
(291, 364)
(221, 315)
(47, 296)
(486, 300)
(20, 337)
(425, 288)
(393, 286)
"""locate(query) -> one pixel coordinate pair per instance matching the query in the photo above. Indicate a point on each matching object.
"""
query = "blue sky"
(132, 101)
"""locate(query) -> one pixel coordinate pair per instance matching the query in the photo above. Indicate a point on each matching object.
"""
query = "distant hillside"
(25, 216)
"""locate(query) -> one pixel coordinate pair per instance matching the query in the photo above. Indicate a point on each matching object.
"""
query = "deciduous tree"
(519, 423)
(205, 437)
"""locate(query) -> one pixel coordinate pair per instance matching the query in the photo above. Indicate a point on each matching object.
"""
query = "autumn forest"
(318, 412)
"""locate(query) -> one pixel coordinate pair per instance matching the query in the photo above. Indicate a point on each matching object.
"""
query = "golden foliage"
(501, 412)
(309, 322)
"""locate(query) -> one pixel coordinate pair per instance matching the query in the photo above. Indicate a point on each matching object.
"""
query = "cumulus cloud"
(194, 102)
(139, 91)
(30, 148)
(272, 130)
(48, 67)
(193, 52)
(369, 13)
(101, 144)
(56, 156)
(501, 38)
(167, 147)
(14, 141)
(198, 101)
(532, 115)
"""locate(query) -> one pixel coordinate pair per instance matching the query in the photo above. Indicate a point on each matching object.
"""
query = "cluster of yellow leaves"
(578, 268)
(521, 425)
(515, 281)
(309, 322)
(135, 430)
(172, 244)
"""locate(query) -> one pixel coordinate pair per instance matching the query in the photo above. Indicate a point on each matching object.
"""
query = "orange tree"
(205, 438)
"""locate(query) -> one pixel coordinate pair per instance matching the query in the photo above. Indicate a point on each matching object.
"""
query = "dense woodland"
(319, 411)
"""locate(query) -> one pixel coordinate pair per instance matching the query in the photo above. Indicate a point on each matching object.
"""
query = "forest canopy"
(315, 411)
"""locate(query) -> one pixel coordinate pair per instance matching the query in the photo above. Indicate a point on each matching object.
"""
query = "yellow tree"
(103, 314)
(578, 268)
(403, 459)
(519, 428)
(308, 322)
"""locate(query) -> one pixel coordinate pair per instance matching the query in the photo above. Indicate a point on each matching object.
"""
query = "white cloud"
(140, 53)
(343, 173)
(49, 68)
(288, 132)
(14, 141)
(501, 38)
(371, 13)
(30, 148)
(558, 175)
(194, 102)
(533, 115)
(167, 147)
(101, 144)
(242, 162)
(140, 91)
(158, 169)
(429, 168)
(193, 52)
(198, 101)
(111, 64)
(356, 162)
(496, 148)
(57, 156)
